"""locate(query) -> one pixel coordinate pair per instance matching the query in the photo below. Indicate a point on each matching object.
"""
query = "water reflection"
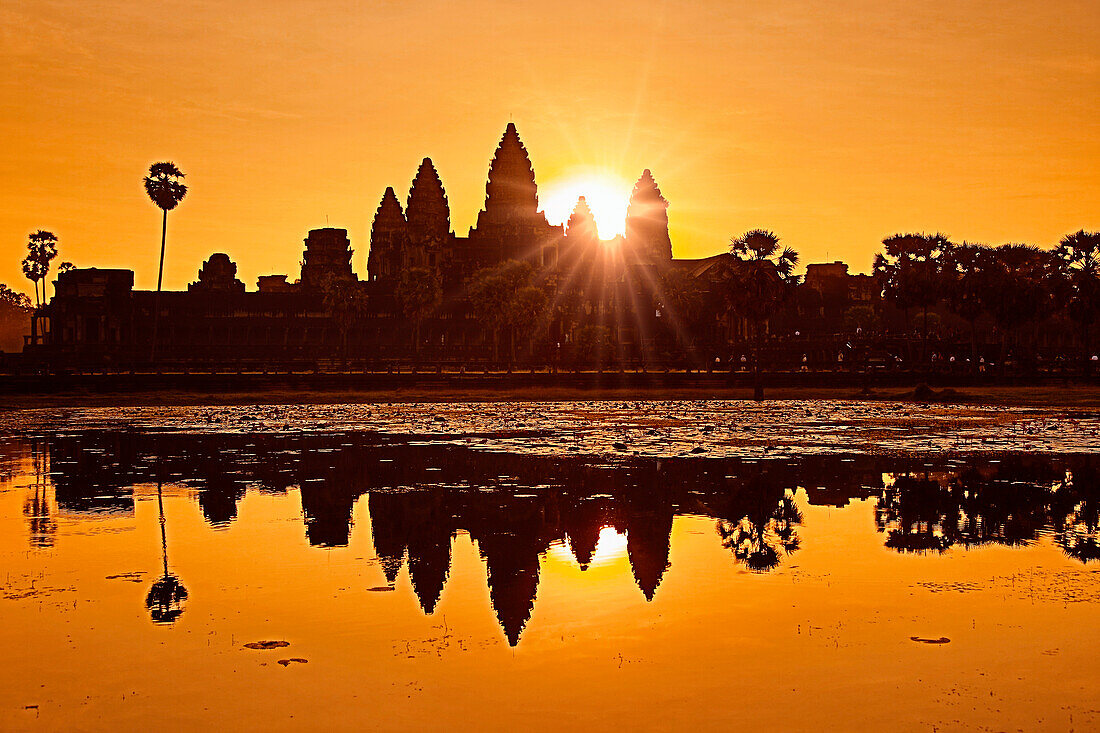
(516, 508)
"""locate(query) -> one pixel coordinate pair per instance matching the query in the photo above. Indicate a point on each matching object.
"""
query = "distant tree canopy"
(419, 293)
(164, 185)
(910, 269)
(1079, 257)
(759, 282)
(1019, 285)
(41, 250)
(505, 298)
(762, 277)
(15, 316)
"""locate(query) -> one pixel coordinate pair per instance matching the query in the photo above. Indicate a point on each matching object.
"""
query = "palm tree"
(758, 285)
(493, 295)
(681, 303)
(165, 188)
(910, 271)
(1079, 256)
(966, 269)
(1019, 289)
(760, 525)
(41, 249)
(33, 270)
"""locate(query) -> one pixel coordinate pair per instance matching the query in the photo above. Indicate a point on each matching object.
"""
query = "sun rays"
(606, 192)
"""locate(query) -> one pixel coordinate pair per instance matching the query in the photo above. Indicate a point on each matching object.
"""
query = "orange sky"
(831, 123)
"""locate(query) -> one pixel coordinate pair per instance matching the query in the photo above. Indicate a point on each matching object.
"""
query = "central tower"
(511, 195)
(511, 226)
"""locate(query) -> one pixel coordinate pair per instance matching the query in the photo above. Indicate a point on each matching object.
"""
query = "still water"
(299, 568)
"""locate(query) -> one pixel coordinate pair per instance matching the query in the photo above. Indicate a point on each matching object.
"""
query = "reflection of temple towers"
(512, 565)
(582, 523)
(37, 508)
(429, 548)
(220, 492)
(387, 525)
(327, 507)
(327, 255)
(648, 534)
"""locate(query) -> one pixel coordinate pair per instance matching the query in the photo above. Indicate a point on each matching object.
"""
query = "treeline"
(1012, 285)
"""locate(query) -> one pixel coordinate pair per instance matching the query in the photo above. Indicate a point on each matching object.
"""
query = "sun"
(611, 546)
(607, 195)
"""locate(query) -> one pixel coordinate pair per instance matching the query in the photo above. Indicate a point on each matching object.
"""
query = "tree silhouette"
(166, 189)
(767, 526)
(34, 273)
(1019, 289)
(917, 515)
(15, 310)
(758, 285)
(682, 303)
(41, 250)
(167, 595)
(65, 267)
(1079, 254)
(966, 269)
(500, 297)
(11, 299)
(910, 273)
(419, 293)
(1075, 513)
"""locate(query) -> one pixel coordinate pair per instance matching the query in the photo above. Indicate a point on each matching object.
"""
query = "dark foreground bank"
(27, 390)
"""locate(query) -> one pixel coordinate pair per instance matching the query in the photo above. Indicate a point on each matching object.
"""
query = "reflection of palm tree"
(916, 516)
(1076, 514)
(766, 529)
(37, 508)
(166, 596)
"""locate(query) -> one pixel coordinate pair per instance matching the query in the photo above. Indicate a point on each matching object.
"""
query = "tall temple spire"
(511, 195)
(428, 213)
(581, 222)
(389, 215)
(387, 238)
(647, 223)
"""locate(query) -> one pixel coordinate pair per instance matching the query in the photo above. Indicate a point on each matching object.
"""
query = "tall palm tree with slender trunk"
(1079, 256)
(910, 271)
(166, 189)
(758, 284)
(41, 250)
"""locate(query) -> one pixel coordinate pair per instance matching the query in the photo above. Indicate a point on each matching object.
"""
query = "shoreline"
(1073, 396)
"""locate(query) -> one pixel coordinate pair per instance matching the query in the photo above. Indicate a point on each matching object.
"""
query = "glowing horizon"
(976, 120)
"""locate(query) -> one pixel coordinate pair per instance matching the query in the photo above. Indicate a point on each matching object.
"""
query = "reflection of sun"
(610, 546)
(606, 193)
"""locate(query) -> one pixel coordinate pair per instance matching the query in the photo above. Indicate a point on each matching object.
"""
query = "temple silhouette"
(515, 508)
(598, 300)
